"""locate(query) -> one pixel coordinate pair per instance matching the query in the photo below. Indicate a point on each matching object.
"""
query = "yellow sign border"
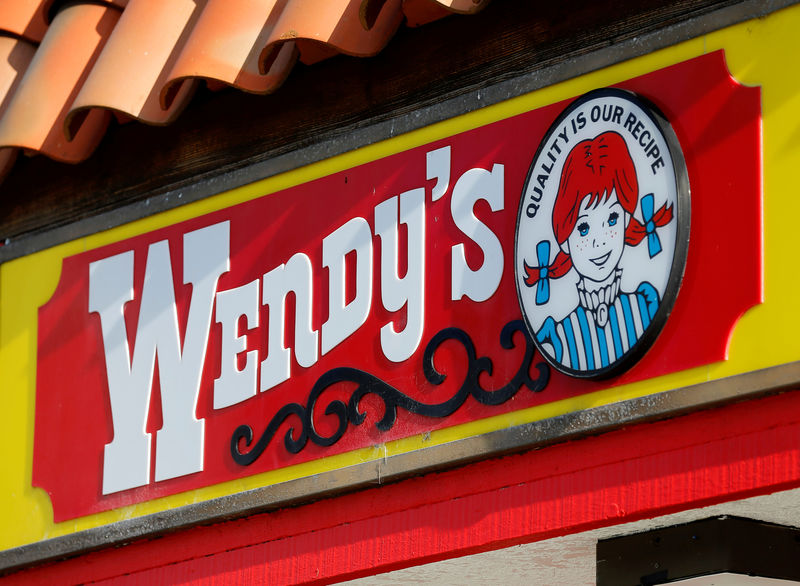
(756, 54)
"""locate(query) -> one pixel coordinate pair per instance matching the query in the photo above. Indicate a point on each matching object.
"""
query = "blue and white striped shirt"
(579, 343)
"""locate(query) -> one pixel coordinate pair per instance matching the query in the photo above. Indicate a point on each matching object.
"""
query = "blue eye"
(612, 218)
(583, 228)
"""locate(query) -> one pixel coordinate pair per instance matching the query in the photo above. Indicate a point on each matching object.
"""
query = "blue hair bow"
(653, 243)
(543, 284)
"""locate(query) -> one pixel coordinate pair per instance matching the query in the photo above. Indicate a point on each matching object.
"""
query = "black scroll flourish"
(368, 384)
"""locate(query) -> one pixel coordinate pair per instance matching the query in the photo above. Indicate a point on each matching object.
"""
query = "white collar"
(598, 301)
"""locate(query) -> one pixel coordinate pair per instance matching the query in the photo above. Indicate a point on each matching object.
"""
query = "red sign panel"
(370, 305)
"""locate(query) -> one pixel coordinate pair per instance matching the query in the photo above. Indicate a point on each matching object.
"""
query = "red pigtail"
(636, 232)
(560, 267)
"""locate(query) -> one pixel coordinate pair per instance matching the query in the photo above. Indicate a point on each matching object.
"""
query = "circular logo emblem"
(602, 234)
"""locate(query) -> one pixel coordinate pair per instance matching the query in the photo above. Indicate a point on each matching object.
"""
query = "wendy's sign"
(602, 234)
(429, 289)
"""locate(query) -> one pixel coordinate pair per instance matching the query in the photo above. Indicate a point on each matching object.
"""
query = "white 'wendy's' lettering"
(179, 449)
(180, 443)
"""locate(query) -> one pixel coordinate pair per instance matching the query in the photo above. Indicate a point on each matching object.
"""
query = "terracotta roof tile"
(335, 24)
(227, 45)
(143, 58)
(418, 12)
(463, 6)
(135, 63)
(15, 56)
(25, 18)
(35, 116)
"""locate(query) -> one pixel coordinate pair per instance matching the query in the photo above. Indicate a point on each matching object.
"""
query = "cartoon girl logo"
(602, 234)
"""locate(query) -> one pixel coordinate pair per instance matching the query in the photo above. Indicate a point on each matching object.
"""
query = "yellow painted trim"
(757, 53)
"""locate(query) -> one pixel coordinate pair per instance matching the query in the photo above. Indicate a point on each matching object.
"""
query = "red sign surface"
(278, 331)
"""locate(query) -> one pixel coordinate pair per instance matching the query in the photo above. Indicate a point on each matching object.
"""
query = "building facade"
(380, 287)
